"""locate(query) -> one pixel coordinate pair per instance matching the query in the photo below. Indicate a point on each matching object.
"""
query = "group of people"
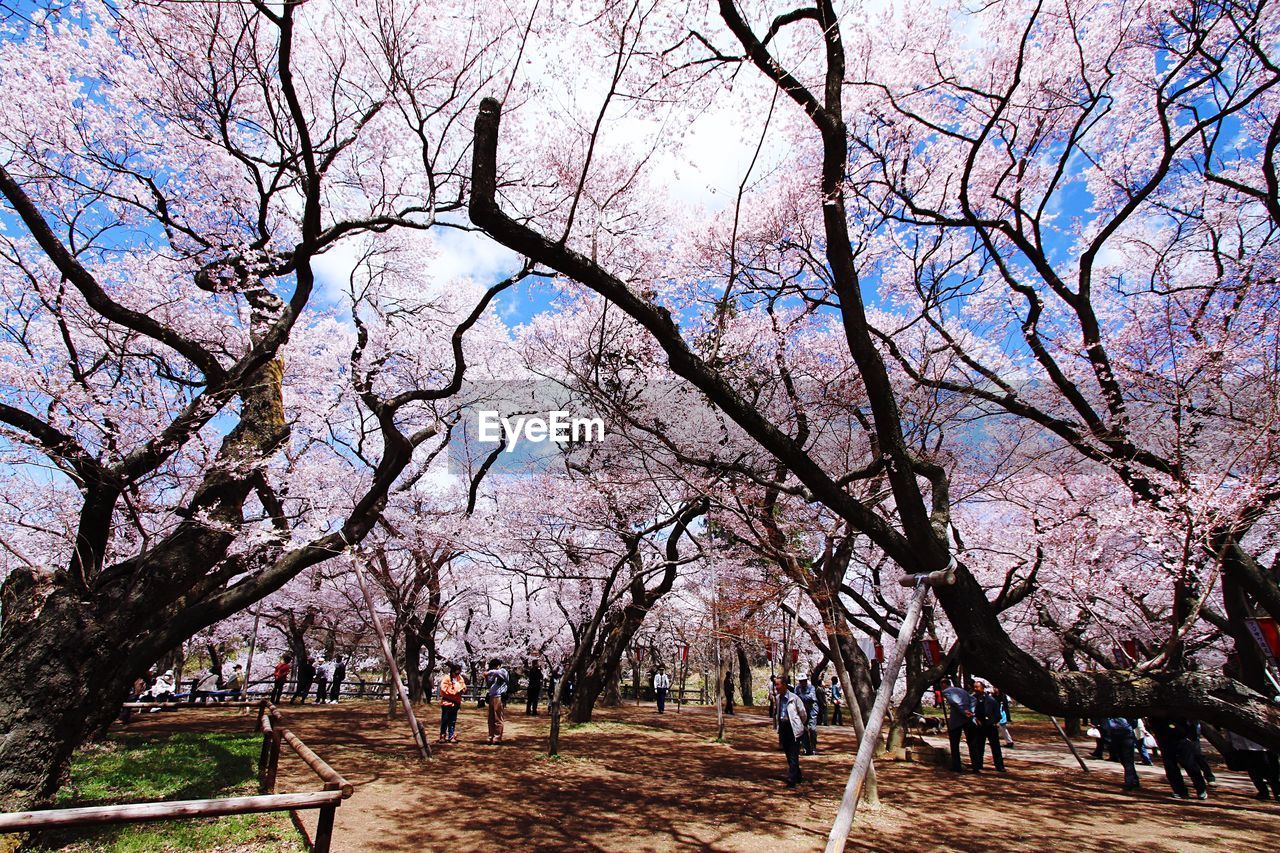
(327, 677)
(497, 683)
(795, 715)
(209, 686)
(979, 716)
(822, 706)
(1129, 739)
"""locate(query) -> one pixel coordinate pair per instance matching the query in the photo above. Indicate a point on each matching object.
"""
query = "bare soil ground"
(633, 780)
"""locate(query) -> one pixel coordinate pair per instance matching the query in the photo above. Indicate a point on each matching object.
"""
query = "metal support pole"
(875, 720)
(424, 746)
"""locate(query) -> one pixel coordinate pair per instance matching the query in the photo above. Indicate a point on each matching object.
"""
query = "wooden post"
(273, 762)
(264, 755)
(684, 674)
(715, 636)
(1071, 746)
(324, 825)
(875, 720)
(871, 788)
(424, 747)
(248, 664)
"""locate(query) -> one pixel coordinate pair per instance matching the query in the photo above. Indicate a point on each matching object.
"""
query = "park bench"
(335, 790)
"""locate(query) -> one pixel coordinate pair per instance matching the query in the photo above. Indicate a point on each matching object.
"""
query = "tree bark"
(744, 676)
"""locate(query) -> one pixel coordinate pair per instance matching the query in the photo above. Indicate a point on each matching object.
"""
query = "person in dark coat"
(535, 689)
(339, 676)
(1122, 736)
(1259, 762)
(306, 676)
(809, 696)
(1203, 763)
(960, 707)
(728, 692)
(1174, 737)
(986, 716)
(1100, 748)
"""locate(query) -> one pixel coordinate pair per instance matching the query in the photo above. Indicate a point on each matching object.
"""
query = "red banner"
(795, 656)
(932, 651)
(879, 653)
(1267, 634)
(684, 653)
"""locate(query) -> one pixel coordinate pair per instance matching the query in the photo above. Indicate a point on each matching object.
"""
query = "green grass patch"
(181, 766)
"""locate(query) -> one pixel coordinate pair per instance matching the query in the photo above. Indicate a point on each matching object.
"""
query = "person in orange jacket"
(451, 689)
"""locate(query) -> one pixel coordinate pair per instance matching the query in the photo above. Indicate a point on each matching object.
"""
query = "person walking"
(281, 675)
(452, 686)
(1259, 763)
(1005, 716)
(728, 692)
(661, 684)
(535, 689)
(339, 676)
(1145, 742)
(986, 717)
(1173, 737)
(1203, 763)
(496, 679)
(837, 700)
(809, 697)
(1100, 749)
(1122, 735)
(324, 674)
(790, 720)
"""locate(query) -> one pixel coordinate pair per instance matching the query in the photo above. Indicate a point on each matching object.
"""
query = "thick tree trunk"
(412, 665)
(744, 676)
(918, 680)
(50, 696)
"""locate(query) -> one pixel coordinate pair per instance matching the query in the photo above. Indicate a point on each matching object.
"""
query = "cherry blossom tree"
(829, 239)
(174, 176)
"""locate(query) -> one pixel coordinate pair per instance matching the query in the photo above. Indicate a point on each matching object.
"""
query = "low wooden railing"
(336, 789)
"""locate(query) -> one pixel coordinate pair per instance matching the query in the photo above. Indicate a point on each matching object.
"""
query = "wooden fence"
(336, 789)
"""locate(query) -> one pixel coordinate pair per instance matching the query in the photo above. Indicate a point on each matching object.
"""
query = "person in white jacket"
(791, 719)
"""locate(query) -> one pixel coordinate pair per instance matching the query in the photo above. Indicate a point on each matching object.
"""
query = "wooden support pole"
(134, 812)
(332, 779)
(424, 747)
(875, 721)
(1071, 746)
(324, 826)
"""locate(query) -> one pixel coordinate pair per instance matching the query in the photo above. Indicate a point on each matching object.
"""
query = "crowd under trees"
(858, 290)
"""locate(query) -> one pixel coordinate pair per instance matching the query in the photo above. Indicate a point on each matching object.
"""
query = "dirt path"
(637, 781)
